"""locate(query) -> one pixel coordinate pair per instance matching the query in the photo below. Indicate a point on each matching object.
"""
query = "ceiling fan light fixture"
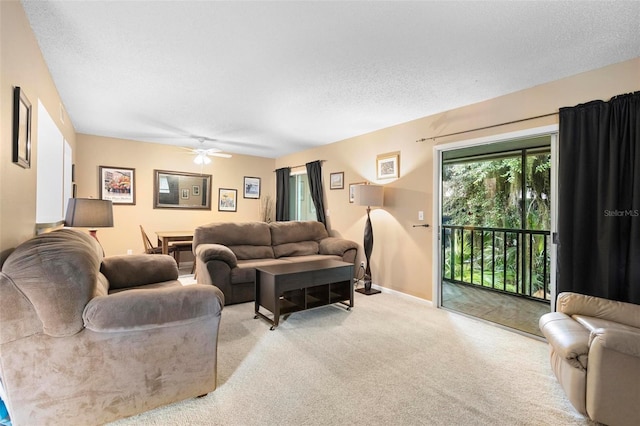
(202, 158)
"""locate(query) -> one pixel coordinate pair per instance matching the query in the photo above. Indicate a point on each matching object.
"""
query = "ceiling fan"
(203, 154)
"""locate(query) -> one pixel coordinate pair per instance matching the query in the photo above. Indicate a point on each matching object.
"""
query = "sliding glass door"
(495, 247)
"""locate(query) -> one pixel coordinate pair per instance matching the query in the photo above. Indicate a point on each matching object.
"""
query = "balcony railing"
(514, 261)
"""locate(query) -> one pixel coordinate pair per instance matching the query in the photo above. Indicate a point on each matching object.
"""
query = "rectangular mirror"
(181, 190)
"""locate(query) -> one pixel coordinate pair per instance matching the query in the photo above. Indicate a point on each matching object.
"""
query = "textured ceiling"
(271, 78)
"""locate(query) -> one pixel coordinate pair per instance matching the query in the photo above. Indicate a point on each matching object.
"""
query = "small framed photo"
(118, 184)
(251, 187)
(195, 190)
(336, 180)
(352, 190)
(21, 129)
(227, 200)
(184, 194)
(388, 165)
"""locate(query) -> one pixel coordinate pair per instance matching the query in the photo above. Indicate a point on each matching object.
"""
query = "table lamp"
(368, 195)
(89, 213)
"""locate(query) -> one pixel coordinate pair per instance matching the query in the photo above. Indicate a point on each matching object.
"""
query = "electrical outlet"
(420, 215)
(362, 264)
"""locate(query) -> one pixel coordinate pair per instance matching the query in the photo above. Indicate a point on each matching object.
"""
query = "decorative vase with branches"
(266, 208)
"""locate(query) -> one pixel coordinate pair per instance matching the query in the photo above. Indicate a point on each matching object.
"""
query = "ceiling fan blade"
(227, 142)
(212, 152)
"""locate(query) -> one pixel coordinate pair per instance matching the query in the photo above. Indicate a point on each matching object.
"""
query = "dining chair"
(181, 246)
(150, 249)
(174, 248)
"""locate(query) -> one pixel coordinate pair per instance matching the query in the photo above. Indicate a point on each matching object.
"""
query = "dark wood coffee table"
(290, 287)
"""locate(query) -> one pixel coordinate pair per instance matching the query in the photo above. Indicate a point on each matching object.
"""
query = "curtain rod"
(300, 165)
(433, 138)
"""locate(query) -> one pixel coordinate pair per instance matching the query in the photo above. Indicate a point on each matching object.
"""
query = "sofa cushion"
(301, 248)
(293, 232)
(246, 270)
(232, 233)
(309, 258)
(245, 252)
(591, 323)
(591, 306)
(139, 269)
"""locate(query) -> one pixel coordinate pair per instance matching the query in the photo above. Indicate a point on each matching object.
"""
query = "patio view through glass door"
(495, 232)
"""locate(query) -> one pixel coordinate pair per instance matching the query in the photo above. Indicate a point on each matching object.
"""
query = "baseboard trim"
(404, 295)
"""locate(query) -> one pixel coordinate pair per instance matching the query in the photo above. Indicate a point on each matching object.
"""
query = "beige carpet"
(391, 360)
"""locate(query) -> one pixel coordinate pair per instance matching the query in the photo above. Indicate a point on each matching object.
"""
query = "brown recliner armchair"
(86, 340)
(595, 354)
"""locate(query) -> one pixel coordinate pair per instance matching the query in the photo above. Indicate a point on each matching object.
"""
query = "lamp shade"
(368, 195)
(89, 213)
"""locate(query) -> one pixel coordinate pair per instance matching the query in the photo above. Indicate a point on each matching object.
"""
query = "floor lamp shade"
(368, 195)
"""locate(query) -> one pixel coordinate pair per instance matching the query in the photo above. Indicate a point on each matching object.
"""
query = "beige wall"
(402, 256)
(95, 151)
(21, 64)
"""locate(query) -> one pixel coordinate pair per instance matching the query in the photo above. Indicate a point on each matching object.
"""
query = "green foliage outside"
(487, 193)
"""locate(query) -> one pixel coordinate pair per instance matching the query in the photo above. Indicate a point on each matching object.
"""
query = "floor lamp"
(368, 195)
(89, 213)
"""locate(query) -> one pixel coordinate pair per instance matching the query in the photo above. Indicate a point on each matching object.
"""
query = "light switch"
(420, 215)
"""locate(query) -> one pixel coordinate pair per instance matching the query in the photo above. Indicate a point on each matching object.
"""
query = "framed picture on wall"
(388, 165)
(118, 185)
(227, 200)
(21, 129)
(336, 180)
(251, 187)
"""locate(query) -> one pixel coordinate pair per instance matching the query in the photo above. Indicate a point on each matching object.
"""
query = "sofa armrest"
(619, 340)
(138, 269)
(336, 246)
(612, 385)
(208, 252)
(568, 338)
(134, 310)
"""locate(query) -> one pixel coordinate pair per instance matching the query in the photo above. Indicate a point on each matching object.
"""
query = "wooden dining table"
(167, 237)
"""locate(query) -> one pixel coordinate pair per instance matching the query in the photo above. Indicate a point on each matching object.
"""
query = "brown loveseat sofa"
(86, 340)
(228, 253)
(595, 354)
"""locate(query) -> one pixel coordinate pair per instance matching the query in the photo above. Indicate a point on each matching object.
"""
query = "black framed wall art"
(21, 128)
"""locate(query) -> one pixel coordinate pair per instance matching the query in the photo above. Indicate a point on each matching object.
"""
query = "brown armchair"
(86, 340)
